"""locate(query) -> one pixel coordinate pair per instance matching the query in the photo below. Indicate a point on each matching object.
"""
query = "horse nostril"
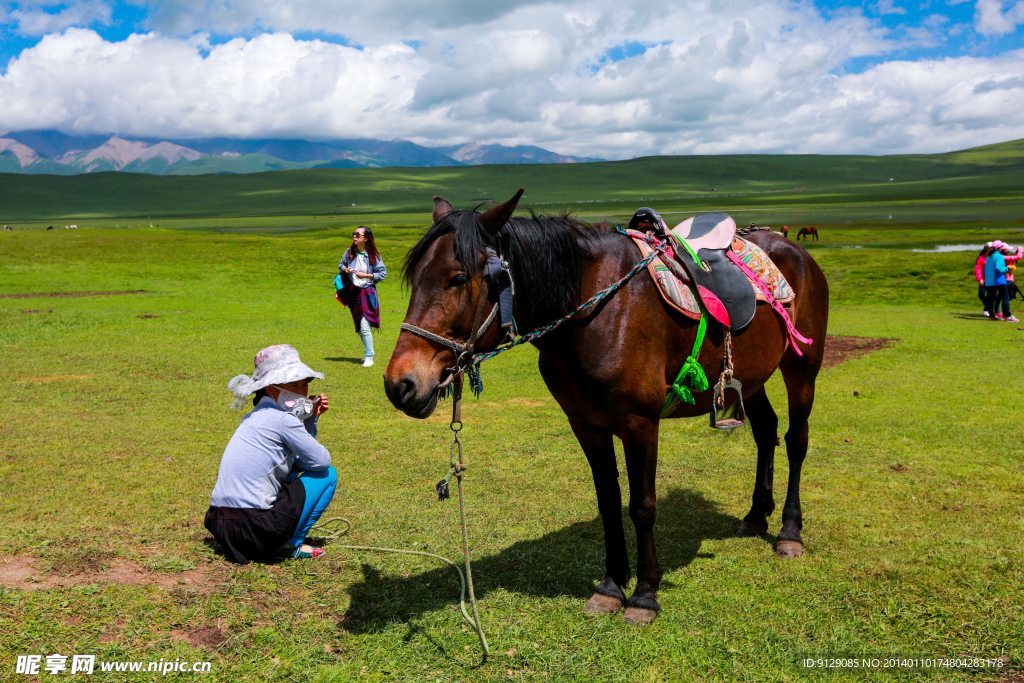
(405, 390)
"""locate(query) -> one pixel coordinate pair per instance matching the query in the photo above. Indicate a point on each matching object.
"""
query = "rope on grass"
(322, 531)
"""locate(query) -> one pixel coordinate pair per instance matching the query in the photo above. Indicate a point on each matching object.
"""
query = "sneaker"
(1011, 319)
(367, 362)
(997, 316)
(985, 313)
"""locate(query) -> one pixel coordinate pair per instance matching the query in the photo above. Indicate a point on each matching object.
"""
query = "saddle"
(708, 268)
(699, 247)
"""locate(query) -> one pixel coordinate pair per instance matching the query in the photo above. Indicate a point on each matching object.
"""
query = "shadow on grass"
(567, 562)
(966, 316)
(346, 359)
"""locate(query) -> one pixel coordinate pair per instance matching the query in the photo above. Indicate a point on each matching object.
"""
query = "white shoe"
(367, 362)
(985, 313)
(1011, 319)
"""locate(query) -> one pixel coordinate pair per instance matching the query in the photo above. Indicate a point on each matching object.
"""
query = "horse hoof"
(748, 530)
(602, 604)
(639, 616)
(789, 549)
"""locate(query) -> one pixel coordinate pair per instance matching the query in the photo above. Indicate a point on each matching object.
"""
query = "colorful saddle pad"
(680, 296)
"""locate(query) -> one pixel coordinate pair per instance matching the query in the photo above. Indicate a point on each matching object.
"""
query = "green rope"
(323, 532)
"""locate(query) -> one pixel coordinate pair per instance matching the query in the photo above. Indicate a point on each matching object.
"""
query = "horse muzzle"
(414, 396)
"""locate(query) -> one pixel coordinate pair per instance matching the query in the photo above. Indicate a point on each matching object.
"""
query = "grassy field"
(780, 188)
(116, 421)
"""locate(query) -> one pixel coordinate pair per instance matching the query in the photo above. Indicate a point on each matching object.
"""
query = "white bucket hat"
(278, 364)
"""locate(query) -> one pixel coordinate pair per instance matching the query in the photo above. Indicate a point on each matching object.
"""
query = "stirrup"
(736, 418)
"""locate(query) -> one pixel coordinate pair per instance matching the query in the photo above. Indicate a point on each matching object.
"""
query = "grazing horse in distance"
(810, 231)
(609, 368)
(785, 231)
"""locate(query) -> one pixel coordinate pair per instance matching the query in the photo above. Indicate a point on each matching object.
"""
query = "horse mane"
(545, 254)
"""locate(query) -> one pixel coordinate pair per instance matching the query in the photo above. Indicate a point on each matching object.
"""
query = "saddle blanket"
(680, 295)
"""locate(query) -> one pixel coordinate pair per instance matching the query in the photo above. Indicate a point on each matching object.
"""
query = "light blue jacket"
(995, 270)
(378, 269)
(262, 453)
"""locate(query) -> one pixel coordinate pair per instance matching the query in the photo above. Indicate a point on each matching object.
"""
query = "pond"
(942, 248)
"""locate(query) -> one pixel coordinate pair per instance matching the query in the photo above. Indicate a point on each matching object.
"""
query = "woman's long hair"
(371, 246)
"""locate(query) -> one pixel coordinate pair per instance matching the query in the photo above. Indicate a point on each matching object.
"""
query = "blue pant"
(319, 491)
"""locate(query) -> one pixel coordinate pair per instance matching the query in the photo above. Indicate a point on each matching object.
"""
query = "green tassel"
(691, 376)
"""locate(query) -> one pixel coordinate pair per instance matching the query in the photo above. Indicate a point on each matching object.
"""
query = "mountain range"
(56, 153)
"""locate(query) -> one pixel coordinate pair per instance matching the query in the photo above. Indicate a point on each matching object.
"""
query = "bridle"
(463, 350)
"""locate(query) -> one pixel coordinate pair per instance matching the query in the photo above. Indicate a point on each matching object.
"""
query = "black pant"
(982, 293)
(994, 296)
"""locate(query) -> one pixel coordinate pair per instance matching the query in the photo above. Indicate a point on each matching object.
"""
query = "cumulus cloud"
(38, 22)
(991, 19)
(590, 78)
(151, 85)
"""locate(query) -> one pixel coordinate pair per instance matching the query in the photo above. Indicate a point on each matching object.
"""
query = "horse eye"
(458, 280)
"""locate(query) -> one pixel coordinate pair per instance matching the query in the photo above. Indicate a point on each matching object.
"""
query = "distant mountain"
(475, 154)
(56, 153)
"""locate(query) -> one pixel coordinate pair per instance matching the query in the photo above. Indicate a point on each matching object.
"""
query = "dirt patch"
(76, 561)
(839, 349)
(26, 573)
(208, 637)
(15, 571)
(38, 295)
(147, 316)
(39, 310)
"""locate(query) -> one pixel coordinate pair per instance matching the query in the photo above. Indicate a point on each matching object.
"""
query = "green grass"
(116, 421)
(777, 188)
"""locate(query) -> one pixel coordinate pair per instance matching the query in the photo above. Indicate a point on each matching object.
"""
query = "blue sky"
(588, 77)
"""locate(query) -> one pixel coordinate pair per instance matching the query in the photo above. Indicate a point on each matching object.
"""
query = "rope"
(541, 331)
(323, 532)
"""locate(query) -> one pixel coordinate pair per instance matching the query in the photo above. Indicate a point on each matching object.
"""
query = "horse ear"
(441, 208)
(499, 215)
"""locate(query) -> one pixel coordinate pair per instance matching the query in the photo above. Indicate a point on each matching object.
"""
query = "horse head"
(448, 302)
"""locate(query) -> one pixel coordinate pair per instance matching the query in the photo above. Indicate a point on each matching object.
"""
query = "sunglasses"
(359, 234)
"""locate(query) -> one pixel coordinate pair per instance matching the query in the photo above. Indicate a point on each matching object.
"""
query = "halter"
(464, 357)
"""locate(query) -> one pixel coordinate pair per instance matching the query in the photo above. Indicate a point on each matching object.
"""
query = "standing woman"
(995, 283)
(361, 269)
(979, 275)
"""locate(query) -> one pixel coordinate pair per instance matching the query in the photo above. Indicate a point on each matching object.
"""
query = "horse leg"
(800, 389)
(640, 443)
(600, 451)
(764, 424)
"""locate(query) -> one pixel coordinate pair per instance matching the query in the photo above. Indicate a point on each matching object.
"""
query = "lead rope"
(456, 469)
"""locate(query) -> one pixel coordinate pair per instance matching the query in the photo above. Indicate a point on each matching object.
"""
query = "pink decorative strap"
(794, 334)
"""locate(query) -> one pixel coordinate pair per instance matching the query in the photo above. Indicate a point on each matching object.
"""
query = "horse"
(785, 231)
(610, 368)
(807, 232)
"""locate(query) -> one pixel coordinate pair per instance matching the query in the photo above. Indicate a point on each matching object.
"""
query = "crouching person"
(275, 479)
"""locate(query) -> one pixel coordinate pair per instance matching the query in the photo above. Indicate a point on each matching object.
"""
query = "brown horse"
(785, 231)
(810, 231)
(610, 368)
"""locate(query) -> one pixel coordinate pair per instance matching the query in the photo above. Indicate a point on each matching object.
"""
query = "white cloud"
(150, 85)
(884, 7)
(739, 76)
(991, 19)
(37, 22)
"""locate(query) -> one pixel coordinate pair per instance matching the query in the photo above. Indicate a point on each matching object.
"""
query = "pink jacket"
(979, 269)
(1011, 260)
